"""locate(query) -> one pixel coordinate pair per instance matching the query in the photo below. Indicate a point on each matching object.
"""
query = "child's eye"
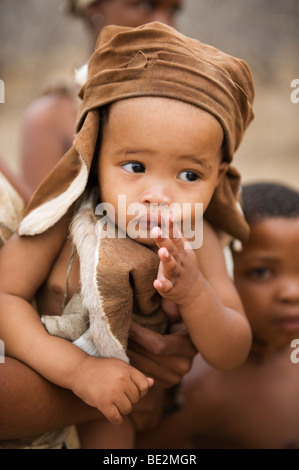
(188, 176)
(134, 167)
(259, 273)
(146, 6)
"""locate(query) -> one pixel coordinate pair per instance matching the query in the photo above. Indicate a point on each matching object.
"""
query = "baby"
(160, 119)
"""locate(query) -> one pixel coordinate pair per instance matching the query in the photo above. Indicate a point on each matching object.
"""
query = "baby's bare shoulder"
(211, 252)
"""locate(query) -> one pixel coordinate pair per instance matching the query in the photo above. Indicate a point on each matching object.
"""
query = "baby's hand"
(111, 385)
(179, 278)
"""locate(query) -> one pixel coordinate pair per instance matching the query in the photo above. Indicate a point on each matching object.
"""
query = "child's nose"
(288, 291)
(156, 194)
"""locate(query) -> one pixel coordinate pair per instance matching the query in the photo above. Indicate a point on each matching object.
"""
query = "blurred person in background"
(98, 13)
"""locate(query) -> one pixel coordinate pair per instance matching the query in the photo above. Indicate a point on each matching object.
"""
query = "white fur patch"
(81, 74)
(86, 343)
(88, 243)
(46, 215)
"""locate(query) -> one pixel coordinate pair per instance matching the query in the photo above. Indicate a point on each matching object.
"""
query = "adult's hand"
(166, 358)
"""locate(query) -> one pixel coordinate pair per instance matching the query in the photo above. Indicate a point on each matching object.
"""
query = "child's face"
(158, 151)
(134, 12)
(267, 278)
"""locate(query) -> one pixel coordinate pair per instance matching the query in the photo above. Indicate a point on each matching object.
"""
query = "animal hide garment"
(116, 276)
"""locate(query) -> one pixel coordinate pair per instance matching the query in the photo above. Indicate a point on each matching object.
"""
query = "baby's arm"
(208, 301)
(110, 385)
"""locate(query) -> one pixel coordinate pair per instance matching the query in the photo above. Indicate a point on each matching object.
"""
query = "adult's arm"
(16, 182)
(166, 358)
(31, 405)
(48, 129)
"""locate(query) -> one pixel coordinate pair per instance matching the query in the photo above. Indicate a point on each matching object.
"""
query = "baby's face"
(157, 152)
(267, 278)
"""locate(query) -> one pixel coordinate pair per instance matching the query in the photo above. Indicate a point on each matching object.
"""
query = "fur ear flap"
(65, 183)
(46, 215)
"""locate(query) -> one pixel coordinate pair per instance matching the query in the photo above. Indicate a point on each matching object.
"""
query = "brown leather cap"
(153, 60)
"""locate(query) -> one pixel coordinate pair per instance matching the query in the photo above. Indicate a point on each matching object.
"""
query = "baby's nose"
(156, 194)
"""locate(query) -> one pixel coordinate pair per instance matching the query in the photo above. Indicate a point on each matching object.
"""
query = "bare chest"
(260, 408)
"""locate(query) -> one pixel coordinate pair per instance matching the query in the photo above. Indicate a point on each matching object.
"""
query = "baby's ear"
(223, 167)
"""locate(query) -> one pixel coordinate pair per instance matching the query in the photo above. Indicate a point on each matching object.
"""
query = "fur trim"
(81, 74)
(46, 215)
(86, 343)
(87, 244)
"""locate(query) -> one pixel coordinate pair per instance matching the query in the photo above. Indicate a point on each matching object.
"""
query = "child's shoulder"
(210, 254)
(210, 238)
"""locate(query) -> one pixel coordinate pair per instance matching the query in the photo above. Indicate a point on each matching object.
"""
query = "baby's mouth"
(149, 221)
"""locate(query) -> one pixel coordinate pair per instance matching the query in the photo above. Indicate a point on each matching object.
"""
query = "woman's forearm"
(31, 405)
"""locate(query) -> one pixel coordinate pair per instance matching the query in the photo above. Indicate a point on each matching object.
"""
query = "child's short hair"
(266, 200)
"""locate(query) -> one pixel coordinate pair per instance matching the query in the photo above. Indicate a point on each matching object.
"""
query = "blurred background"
(40, 44)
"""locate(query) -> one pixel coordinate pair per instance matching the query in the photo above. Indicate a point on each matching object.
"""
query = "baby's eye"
(259, 273)
(188, 176)
(134, 167)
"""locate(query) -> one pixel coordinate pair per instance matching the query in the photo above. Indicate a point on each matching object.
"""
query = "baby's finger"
(168, 272)
(163, 286)
(133, 392)
(163, 241)
(113, 415)
(170, 265)
(142, 382)
(174, 233)
(124, 405)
